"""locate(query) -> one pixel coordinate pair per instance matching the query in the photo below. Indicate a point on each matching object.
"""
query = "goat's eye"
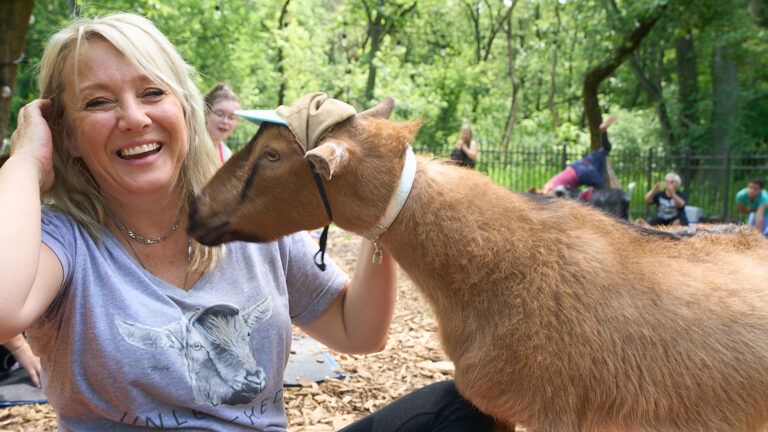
(272, 156)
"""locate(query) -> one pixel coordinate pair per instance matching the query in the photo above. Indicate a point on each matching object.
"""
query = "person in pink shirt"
(221, 120)
(587, 171)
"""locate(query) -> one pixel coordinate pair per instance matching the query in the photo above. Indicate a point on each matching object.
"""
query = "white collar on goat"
(395, 203)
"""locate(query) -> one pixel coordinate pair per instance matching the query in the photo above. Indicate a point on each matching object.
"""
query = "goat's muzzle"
(209, 231)
(215, 229)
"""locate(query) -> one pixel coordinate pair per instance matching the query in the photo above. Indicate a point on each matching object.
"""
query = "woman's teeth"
(138, 151)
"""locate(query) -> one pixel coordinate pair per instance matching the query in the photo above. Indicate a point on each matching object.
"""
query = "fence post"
(726, 198)
(565, 156)
(687, 171)
(649, 178)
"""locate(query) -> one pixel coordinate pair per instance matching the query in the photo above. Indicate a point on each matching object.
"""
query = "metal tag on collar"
(378, 253)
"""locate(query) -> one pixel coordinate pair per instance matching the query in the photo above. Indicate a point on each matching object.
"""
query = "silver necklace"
(142, 239)
(189, 260)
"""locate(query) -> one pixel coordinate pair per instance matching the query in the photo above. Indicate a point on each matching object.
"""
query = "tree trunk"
(14, 22)
(688, 88)
(483, 41)
(375, 35)
(757, 8)
(654, 91)
(597, 74)
(725, 88)
(512, 116)
(380, 24)
(282, 24)
(553, 73)
(569, 85)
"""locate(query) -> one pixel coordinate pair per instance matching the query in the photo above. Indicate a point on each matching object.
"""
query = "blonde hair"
(465, 134)
(75, 191)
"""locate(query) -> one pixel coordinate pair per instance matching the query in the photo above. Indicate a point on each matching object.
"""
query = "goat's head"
(267, 190)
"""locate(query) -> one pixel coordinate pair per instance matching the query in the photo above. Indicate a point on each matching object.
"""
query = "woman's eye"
(96, 103)
(271, 156)
(153, 93)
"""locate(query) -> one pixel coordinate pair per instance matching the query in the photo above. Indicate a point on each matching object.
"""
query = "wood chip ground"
(412, 359)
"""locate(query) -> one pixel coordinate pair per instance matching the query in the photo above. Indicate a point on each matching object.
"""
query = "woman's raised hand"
(32, 138)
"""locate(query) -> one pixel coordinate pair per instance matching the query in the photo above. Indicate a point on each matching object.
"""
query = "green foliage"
(429, 62)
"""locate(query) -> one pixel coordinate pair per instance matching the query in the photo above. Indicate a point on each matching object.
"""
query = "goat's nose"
(255, 376)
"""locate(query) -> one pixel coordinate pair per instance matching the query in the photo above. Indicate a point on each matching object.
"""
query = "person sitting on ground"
(670, 203)
(23, 355)
(587, 171)
(220, 106)
(465, 153)
(753, 201)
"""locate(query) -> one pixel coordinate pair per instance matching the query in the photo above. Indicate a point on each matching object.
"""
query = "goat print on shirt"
(215, 344)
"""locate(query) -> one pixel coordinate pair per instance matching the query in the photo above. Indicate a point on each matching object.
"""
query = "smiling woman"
(136, 324)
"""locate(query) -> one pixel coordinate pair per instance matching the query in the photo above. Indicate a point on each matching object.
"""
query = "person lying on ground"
(587, 171)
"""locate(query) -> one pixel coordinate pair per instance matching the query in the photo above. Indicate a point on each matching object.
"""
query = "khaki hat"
(309, 118)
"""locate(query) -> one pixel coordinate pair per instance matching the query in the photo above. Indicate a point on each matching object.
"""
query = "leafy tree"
(14, 21)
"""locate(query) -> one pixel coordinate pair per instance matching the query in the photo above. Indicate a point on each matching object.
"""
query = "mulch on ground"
(412, 359)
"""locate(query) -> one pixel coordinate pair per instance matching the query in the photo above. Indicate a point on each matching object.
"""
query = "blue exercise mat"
(309, 362)
(17, 389)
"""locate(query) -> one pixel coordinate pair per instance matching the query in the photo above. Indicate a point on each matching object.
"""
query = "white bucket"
(693, 214)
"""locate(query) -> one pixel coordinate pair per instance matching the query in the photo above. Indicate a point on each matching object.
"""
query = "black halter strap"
(324, 235)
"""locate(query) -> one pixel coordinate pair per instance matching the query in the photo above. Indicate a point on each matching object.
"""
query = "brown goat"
(557, 316)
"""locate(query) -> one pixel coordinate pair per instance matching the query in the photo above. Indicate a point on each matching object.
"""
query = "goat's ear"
(382, 110)
(329, 157)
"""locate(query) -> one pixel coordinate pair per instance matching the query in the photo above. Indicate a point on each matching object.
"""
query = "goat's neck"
(444, 235)
(359, 200)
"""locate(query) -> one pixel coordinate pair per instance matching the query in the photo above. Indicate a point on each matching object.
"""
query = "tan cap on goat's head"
(309, 118)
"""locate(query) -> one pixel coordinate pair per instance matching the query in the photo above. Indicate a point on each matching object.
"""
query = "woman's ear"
(69, 143)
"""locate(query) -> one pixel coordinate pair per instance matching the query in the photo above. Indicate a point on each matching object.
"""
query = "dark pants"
(6, 361)
(591, 169)
(436, 407)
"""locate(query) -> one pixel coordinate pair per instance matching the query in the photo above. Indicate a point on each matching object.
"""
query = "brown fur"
(557, 317)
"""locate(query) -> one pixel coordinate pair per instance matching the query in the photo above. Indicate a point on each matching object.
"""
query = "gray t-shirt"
(123, 350)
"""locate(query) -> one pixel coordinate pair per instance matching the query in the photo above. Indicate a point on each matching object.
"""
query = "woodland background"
(684, 76)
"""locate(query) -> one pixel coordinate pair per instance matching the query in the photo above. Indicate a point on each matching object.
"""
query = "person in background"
(670, 203)
(22, 353)
(587, 171)
(220, 106)
(465, 153)
(137, 325)
(753, 201)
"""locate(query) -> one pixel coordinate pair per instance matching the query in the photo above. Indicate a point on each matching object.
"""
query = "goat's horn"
(382, 110)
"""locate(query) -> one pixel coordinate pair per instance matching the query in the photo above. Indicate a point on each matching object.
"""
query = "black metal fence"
(710, 180)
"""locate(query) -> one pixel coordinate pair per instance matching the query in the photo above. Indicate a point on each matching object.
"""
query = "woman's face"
(466, 134)
(671, 184)
(222, 120)
(129, 130)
